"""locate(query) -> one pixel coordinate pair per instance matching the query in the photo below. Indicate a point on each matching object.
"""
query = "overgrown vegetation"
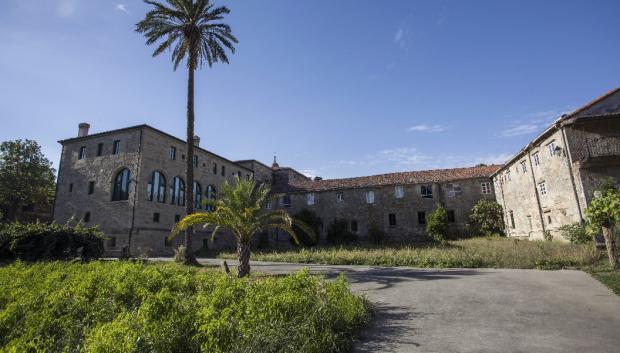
(486, 218)
(40, 241)
(604, 214)
(608, 276)
(312, 220)
(576, 233)
(488, 252)
(338, 232)
(135, 307)
(437, 224)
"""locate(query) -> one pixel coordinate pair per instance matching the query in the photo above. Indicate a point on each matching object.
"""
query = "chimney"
(196, 140)
(83, 129)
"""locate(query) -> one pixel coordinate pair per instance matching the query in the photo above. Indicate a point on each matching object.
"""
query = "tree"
(311, 219)
(26, 177)
(240, 210)
(437, 224)
(193, 29)
(486, 218)
(604, 213)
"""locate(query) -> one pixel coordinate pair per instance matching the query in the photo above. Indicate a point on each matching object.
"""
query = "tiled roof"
(402, 178)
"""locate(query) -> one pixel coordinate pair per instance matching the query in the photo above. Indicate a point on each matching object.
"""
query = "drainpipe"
(540, 212)
(135, 194)
(569, 164)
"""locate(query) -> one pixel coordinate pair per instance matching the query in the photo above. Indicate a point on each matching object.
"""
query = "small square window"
(421, 217)
(454, 190)
(542, 187)
(82, 154)
(156, 217)
(177, 218)
(116, 148)
(392, 219)
(286, 200)
(86, 218)
(426, 191)
(99, 149)
(399, 192)
(173, 153)
(523, 167)
(451, 216)
(552, 148)
(353, 225)
(91, 187)
(370, 197)
(486, 188)
(339, 197)
(536, 159)
(311, 198)
(223, 170)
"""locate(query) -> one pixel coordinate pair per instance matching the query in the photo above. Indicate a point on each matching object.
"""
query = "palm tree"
(240, 210)
(191, 28)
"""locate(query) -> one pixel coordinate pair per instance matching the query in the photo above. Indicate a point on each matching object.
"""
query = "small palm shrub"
(338, 232)
(576, 233)
(437, 224)
(312, 220)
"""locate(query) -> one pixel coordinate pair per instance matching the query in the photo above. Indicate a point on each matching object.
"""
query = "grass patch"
(133, 307)
(469, 253)
(607, 276)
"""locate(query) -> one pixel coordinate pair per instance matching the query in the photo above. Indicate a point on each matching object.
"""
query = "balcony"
(602, 150)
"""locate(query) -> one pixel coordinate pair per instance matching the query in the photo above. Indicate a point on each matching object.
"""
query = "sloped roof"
(402, 178)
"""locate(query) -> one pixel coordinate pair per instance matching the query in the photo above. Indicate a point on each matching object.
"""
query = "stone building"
(551, 181)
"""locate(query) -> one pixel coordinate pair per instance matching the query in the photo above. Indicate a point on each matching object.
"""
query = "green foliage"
(604, 211)
(488, 252)
(40, 241)
(376, 234)
(338, 232)
(486, 218)
(576, 233)
(135, 307)
(437, 224)
(26, 177)
(310, 218)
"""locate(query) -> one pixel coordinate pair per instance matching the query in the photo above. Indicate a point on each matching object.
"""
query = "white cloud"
(520, 130)
(533, 122)
(310, 173)
(122, 8)
(401, 36)
(427, 128)
(66, 8)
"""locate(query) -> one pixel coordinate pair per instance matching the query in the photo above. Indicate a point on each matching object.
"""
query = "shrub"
(135, 307)
(39, 241)
(576, 233)
(376, 234)
(486, 218)
(338, 232)
(437, 224)
(311, 219)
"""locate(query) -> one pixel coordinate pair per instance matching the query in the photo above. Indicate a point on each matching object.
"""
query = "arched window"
(157, 187)
(211, 195)
(178, 191)
(120, 191)
(197, 196)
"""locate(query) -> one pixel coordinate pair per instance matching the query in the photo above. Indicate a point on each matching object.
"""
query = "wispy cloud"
(310, 173)
(533, 122)
(122, 8)
(427, 128)
(401, 36)
(520, 130)
(66, 8)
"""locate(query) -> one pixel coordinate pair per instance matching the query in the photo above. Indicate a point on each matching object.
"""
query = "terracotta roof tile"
(402, 178)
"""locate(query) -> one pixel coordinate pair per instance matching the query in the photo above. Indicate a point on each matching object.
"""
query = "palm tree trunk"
(243, 255)
(610, 243)
(190, 258)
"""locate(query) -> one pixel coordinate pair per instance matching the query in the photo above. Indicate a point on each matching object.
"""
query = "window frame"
(116, 147)
(311, 198)
(122, 180)
(99, 149)
(399, 191)
(177, 191)
(370, 197)
(339, 197)
(536, 158)
(542, 188)
(486, 188)
(426, 191)
(82, 153)
(173, 153)
(392, 219)
(422, 217)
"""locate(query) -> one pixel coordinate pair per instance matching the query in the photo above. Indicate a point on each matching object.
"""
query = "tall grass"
(470, 253)
(132, 307)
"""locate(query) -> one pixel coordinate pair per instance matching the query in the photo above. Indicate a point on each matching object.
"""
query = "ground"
(479, 310)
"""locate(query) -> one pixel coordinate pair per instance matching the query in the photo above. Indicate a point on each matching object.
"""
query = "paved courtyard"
(483, 310)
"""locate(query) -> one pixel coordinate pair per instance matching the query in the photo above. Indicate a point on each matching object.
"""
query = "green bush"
(576, 233)
(338, 232)
(486, 218)
(136, 307)
(311, 219)
(40, 241)
(437, 224)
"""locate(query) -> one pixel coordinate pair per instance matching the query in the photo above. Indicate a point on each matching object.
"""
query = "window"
(399, 192)
(178, 191)
(523, 167)
(551, 146)
(339, 197)
(247, 177)
(167, 242)
(214, 168)
(311, 198)
(71, 187)
(353, 225)
(99, 149)
(536, 159)
(392, 219)
(91, 187)
(195, 161)
(111, 242)
(268, 206)
(116, 148)
(421, 217)
(426, 191)
(157, 187)
(542, 187)
(549, 219)
(156, 217)
(239, 174)
(486, 188)
(451, 216)
(512, 219)
(197, 196)
(173, 153)
(211, 196)
(86, 218)
(286, 200)
(454, 190)
(120, 191)
(370, 197)
(177, 218)
(82, 152)
(223, 170)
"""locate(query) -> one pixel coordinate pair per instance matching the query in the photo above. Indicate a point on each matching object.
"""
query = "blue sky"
(336, 88)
